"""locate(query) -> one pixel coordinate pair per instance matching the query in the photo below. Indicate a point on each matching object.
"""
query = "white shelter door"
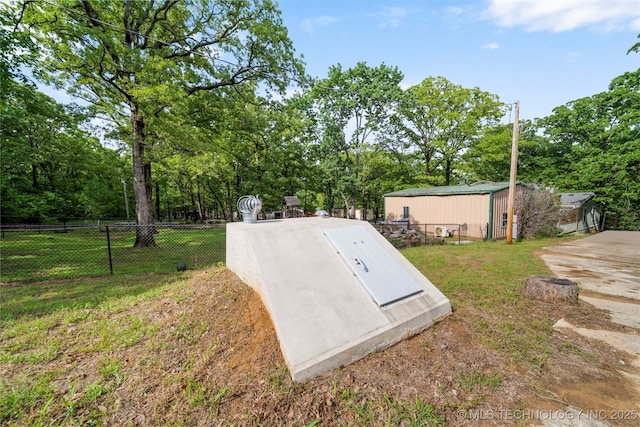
(382, 277)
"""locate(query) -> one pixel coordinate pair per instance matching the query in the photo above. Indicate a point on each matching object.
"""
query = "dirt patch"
(214, 359)
(603, 394)
(237, 355)
(580, 273)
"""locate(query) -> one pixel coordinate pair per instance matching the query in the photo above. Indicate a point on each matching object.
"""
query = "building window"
(505, 220)
(405, 212)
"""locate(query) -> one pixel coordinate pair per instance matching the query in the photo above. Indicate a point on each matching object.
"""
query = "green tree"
(596, 147)
(230, 145)
(16, 48)
(489, 156)
(536, 155)
(136, 59)
(51, 168)
(441, 120)
(382, 173)
(349, 106)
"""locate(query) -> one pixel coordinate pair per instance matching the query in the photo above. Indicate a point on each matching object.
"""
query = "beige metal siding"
(470, 209)
(500, 207)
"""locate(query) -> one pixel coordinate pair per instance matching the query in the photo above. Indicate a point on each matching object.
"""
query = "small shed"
(480, 210)
(291, 207)
(580, 212)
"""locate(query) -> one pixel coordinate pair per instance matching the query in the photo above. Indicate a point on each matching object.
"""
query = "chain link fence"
(403, 234)
(57, 252)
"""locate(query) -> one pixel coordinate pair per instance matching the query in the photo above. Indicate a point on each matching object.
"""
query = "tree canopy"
(442, 120)
(594, 144)
(136, 60)
(349, 106)
(194, 95)
(51, 167)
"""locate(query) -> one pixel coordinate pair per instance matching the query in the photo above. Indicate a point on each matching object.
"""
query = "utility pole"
(514, 168)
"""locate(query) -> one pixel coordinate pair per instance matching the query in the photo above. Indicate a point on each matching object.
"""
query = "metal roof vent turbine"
(249, 206)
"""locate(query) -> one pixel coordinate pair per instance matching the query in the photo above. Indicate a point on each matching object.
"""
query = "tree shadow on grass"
(32, 300)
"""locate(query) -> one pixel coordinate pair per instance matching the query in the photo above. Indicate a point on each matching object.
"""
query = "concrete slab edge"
(375, 341)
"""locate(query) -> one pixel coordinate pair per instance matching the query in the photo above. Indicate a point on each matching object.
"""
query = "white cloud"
(565, 15)
(309, 25)
(392, 17)
(453, 10)
(573, 57)
(491, 46)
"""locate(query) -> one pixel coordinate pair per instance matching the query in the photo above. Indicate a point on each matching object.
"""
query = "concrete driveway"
(608, 264)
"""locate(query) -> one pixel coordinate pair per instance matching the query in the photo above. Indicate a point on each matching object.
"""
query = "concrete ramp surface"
(336, 289)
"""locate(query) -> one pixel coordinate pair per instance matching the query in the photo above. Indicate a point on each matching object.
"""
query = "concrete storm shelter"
(336, 289)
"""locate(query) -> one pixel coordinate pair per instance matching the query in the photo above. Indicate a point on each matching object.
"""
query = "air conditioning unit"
(441, 231)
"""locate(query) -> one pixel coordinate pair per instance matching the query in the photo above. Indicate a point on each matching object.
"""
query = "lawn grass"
(484, 280)
(42, 323)
(83, 252)
(45, 323)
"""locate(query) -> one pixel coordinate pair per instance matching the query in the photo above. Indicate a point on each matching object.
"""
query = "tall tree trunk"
(199, 200)
(228, 201)
(34, 177)
(219, 203)
(447, 172)
(345, 200)
(148, 186)
(329, 203)
(429, 154)
(157, 201)
(352, 211)
(141, 183)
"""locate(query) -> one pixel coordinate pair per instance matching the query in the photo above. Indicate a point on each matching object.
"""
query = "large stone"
(551, 289)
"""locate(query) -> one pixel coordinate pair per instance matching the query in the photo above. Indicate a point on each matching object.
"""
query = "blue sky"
(544, 53)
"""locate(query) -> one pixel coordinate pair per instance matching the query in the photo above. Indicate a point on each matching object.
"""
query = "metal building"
(481, 207)
(580, 212)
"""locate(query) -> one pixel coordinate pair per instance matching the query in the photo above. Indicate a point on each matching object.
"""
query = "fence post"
(109, 249)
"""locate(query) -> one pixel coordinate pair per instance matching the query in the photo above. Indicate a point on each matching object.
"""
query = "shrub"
(538, 212)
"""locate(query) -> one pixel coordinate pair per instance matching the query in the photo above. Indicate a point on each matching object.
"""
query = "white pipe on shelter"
(514, 168)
